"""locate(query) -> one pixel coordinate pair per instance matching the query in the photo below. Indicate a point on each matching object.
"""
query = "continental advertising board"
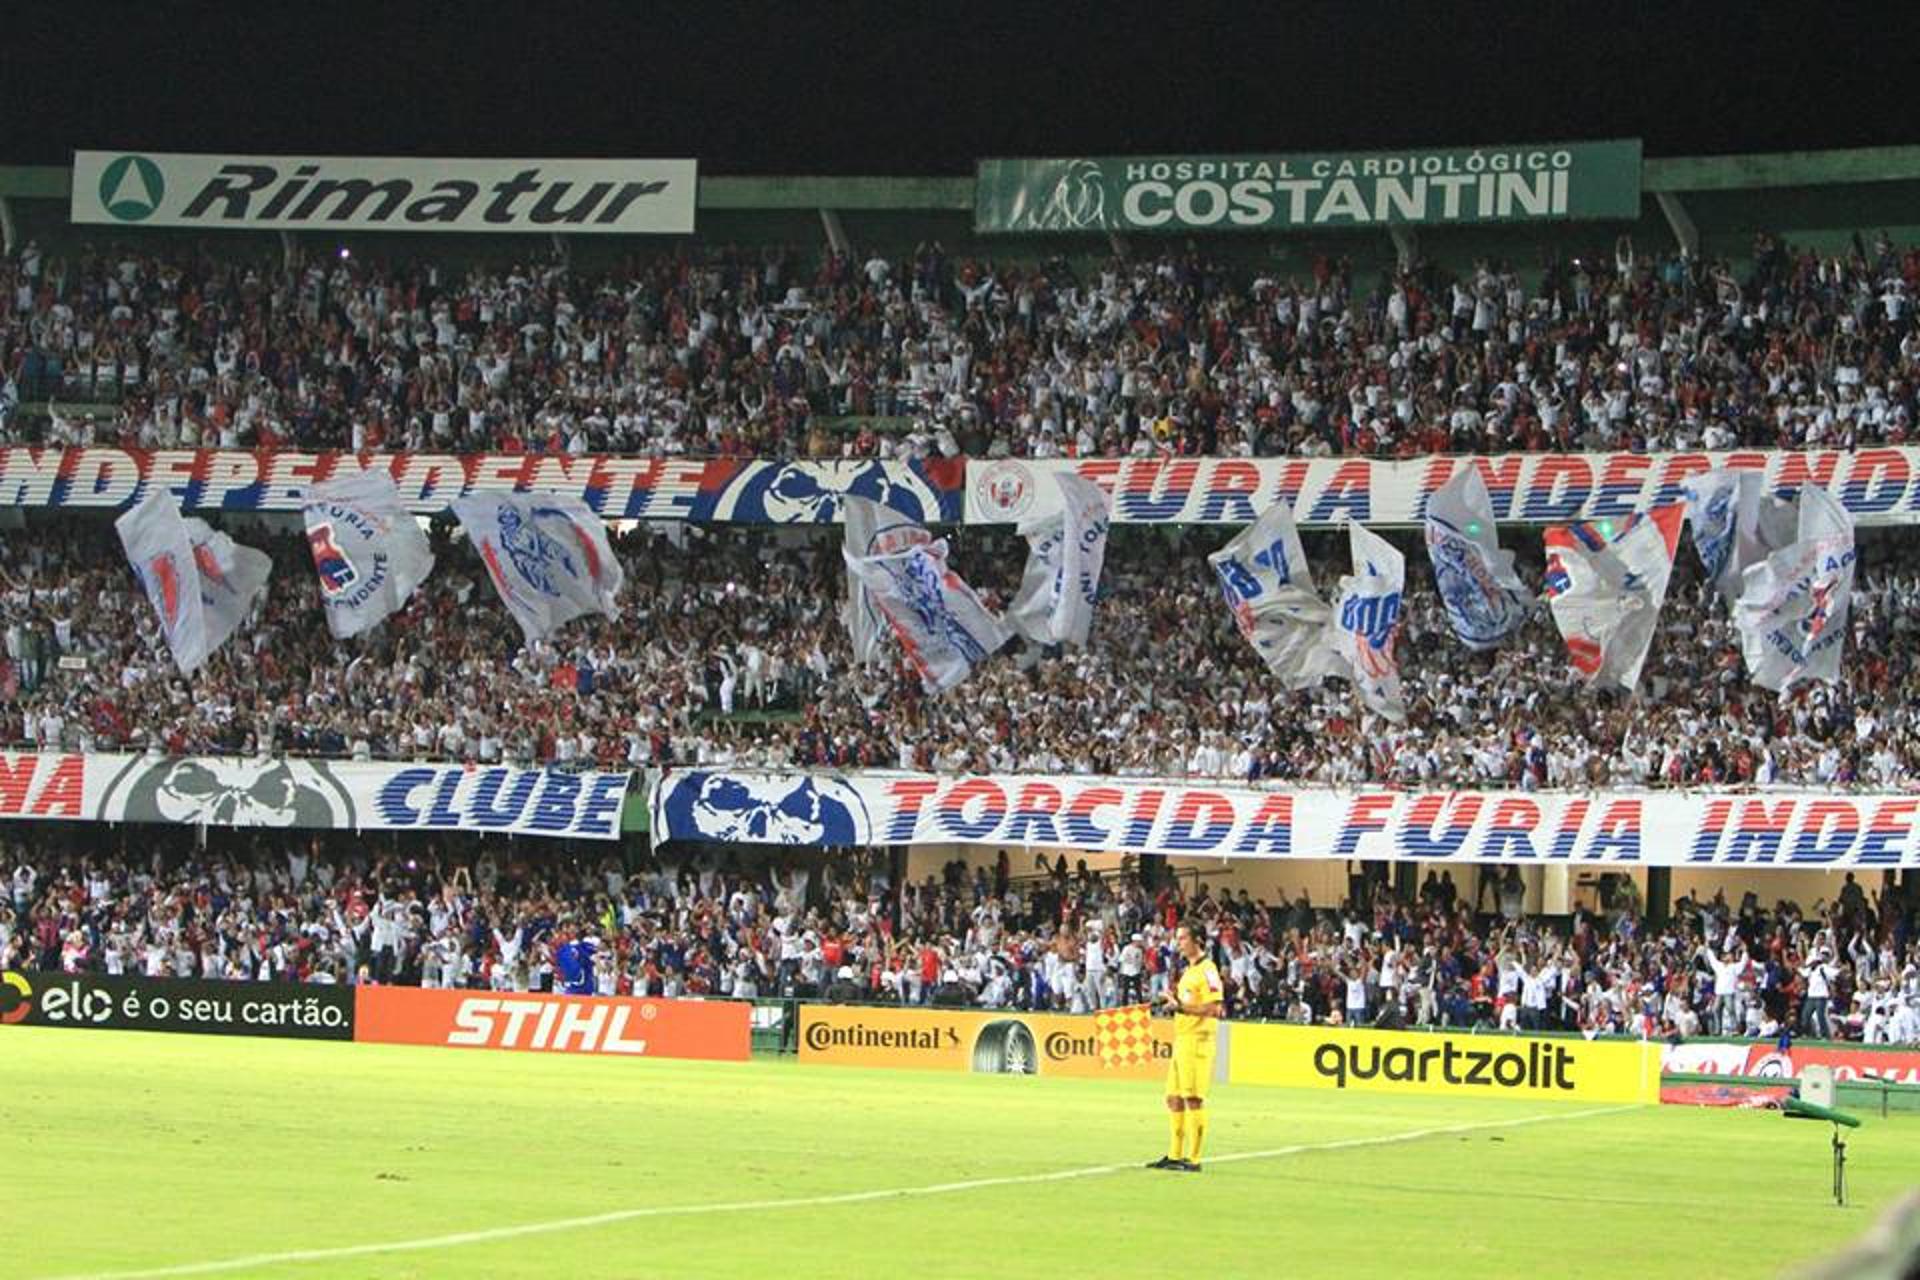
(198, 1006)
(1463, 1065)
(1766, 1060)
(618, 1026)
(989, 1042)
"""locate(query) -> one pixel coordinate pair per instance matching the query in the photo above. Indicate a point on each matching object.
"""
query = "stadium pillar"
(1406, 245)
(1556, 891)
(1679, 222)
(289, 251)
(836, 233)
(1406, 880)
(8, 237)
(562, 248)
(1117, 243)
(1659, 894)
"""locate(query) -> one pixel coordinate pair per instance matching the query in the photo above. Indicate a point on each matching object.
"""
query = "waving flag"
(1485, 600)
(547, 554)
(1606, 582)
(1792, 610)
(1065, 554)
(369, 552)
(1266, 583)
(1735, 523)
(871, 530)
(200, 582)
(944, 629)
(1366, 619)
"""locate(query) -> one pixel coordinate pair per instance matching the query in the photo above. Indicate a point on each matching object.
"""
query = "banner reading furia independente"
(1526, 181)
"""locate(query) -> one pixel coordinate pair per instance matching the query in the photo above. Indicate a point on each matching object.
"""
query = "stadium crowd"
(749, 352)
(486, 916)
(731, 650)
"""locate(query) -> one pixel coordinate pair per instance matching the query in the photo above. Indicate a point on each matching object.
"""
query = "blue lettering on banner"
(539, 802)
(394, 798)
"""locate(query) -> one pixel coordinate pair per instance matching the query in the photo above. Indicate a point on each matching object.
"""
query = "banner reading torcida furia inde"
(1277, 192)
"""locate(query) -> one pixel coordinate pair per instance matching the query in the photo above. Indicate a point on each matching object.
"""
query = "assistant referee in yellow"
(1197, 999)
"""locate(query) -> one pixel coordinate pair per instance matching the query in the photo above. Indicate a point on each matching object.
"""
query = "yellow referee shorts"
(1190, 1072)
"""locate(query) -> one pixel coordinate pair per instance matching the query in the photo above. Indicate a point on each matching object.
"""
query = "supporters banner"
(989, 1042)
(1464, 1064)
(383, 193)
(616, 487)
(617, 1026)
(348, 795)
(1516, 182)
(198, 1006)
(1877, 486)
(1200, 819)
(1765, 1060)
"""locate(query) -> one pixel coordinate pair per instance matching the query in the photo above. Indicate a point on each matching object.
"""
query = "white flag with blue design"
(1265, 581)
(1484, 598)
(1366, 621)
(368, 550)
(1792, 610)
(200, 582)
(872, 529)
(1606, 580)
(548, 555)
(1065, 553)
(940, 623)
(1735, 524)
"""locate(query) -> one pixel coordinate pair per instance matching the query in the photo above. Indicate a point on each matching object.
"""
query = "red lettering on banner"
(171, 469)
(1502, 477)
(626, 485)
(27, 476)
(908, 796)
(1797, 469)
(287, 478)
(65, 792)
(101, 477)
(557, 472)
(227, 471)
(1745, 462)
(421, 477)
(16, 780)
(496, 471)
(1101, 471)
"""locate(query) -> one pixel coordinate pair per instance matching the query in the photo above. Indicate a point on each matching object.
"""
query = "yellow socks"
(1177, 1122)
(1196, 1132)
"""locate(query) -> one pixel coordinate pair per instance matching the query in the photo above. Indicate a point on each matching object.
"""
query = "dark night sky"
(909, 87)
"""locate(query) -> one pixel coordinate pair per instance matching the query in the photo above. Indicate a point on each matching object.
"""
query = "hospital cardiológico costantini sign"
(1528, 181)
(379, 193)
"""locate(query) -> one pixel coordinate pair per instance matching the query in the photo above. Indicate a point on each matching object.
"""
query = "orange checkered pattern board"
(1125, 1035)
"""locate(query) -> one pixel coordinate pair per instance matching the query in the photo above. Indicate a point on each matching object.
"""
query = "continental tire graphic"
(1005, 1048)
(229, 793)
(16, 997)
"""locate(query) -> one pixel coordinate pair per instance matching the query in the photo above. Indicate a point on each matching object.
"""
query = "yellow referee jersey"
(1199, 984)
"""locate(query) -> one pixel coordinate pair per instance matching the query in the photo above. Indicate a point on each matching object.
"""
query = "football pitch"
(135, 1154)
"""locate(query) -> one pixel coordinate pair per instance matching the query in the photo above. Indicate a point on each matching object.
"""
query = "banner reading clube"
(344, 795)
(1200, 819)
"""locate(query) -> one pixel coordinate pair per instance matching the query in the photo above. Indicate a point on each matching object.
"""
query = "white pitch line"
(491, 1234)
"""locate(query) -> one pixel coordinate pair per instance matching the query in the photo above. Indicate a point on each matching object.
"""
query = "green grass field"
(127, 1153)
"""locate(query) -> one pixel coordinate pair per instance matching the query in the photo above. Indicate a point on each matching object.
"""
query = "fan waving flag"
(1264, 578)
(368, 550)
(548, 556)
(871, 530)
(1366, 619)
(1792, 610)
(1124, 1036)
(940, 623)
(1064, 558)
(1485, 600)
(1735, 524)
(200, 582)
(1606, 581)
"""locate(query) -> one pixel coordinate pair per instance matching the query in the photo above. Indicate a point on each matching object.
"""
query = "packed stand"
(489, 917)
(750, 352)
(731, 650)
